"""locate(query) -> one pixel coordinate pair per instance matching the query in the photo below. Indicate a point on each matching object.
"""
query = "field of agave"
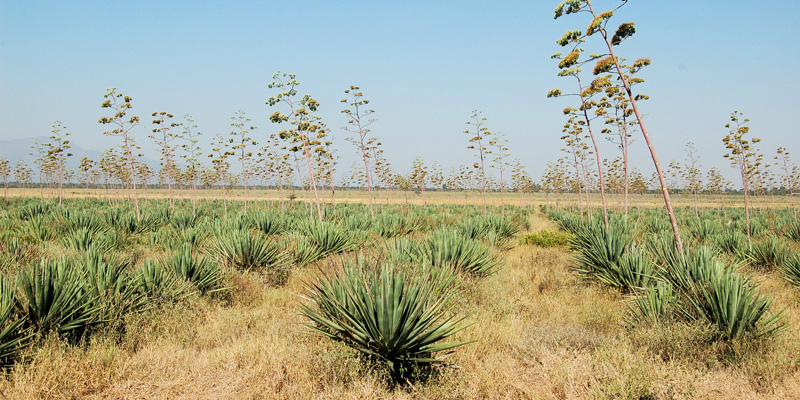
(431, 302)
(75, 270)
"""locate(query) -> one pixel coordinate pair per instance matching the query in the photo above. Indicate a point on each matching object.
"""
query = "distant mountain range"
(20, 149)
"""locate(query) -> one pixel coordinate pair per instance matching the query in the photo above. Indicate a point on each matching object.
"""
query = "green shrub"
(480, 227)
(42, 227)
(732, 242)
(566, 221)
(401, 251)
(605, 255)
(757, 225)
(545, 238)
(656, 225)
(91, 221)
(302, 250)
(662, 249)
(126, 222)
(182, 221)
(19, 251)
(34, 209)
(703, 230)
(192, 236)
(520, 218)
(632, 272)
(357, 222)
(392, 225)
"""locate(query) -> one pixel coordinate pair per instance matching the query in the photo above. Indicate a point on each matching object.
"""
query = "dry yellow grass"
(538, 333)
(431, 197)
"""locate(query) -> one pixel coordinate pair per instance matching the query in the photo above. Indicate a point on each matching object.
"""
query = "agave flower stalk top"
(478, 132)
(359, 124)
(742, 155)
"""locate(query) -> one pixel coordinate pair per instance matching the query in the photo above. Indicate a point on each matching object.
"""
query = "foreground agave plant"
(768, 254)
(791, 269)
(245, 250)
(701, 287)
(392, 225)
(479, 227)
(54, 297)
(13, 338)
(331, 238)
(598, 252)
(113, 288)
(159, 284)
(384, 314)
(450, 248)
(737, 307)
(204, 274)
(85, 239)
(269, 223)
(792, 231)
(17, 252)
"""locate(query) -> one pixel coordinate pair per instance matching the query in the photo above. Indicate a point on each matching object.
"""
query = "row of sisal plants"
(710, 284)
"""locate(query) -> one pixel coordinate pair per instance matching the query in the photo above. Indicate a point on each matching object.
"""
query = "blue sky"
(424, 65)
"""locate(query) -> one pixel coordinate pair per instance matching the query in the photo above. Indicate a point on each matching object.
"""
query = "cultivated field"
(540, 323)
(417, 198)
